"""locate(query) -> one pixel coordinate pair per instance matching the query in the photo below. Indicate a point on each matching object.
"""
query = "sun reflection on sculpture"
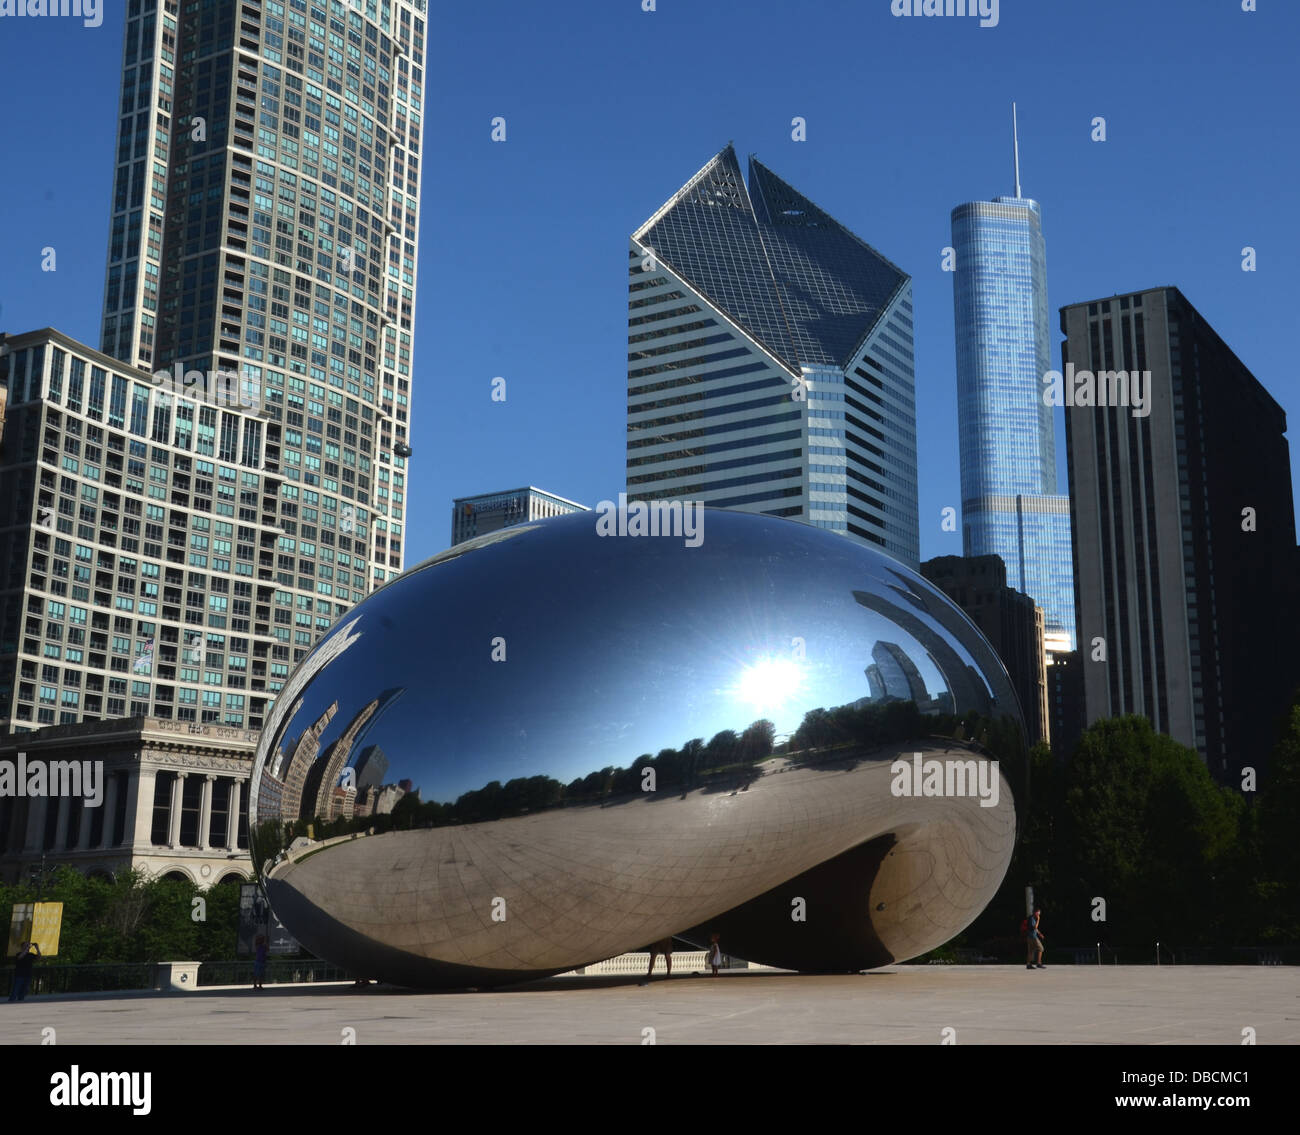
(769, 684)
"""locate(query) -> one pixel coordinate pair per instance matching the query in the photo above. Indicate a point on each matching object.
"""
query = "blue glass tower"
(1010, 506)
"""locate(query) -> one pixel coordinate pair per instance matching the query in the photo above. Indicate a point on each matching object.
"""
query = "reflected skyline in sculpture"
(664, 733)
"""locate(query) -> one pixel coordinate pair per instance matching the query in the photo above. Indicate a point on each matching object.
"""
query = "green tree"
(218, 935)
(1142, 826)
(814, 731)
(757, 740)
(1277, 886)
(170, 932)
(722, 749)
(133, 918)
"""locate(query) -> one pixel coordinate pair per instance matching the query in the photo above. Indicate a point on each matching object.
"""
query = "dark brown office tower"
(1065, 712)
(1009, 620)
(1184, 528)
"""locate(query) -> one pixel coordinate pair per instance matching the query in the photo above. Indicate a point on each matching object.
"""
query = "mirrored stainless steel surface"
(549, 746)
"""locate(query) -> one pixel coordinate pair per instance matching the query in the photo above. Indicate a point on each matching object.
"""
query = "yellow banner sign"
(37, 922)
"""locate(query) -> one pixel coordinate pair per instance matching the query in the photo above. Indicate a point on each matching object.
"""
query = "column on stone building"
(232, 814)
(18, 833)
(61, 826)
(87, 820)
(37, 810)
(174, 810)
(205, 811)
(110, 811)
(140, 786)
(16, 837)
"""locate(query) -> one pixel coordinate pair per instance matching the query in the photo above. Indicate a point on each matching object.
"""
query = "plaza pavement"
(1063, 1005)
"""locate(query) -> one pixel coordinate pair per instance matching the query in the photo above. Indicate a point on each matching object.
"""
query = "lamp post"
(40, 877)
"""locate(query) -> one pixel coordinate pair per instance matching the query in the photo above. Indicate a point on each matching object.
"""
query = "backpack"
(1024, 928)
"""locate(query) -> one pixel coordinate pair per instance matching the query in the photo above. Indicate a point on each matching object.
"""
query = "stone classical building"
(173, 800)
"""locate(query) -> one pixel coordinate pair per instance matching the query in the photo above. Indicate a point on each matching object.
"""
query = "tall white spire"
(1015, 146)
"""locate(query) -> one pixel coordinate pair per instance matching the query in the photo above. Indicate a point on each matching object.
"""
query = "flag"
(145, 661)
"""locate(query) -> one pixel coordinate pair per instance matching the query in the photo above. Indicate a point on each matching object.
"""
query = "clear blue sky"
(609, 109)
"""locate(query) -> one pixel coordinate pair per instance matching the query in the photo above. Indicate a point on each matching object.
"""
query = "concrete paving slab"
(986, 1005)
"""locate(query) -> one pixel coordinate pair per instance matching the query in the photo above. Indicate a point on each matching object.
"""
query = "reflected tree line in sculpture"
(838, 737)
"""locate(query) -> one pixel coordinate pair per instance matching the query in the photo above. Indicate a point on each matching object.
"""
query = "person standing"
(259, 960)
(23, 965)
(1034, 938)
(665, 947)
(715, 953)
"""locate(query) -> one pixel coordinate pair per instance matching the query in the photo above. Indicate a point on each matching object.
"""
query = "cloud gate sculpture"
(555, 744)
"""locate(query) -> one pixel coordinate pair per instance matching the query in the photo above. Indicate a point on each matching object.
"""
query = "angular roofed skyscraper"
(770, 362)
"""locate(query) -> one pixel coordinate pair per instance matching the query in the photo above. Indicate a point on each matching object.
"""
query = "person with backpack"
(1034, 939)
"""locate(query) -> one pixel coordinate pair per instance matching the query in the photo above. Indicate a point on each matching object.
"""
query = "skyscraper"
(264, 224)
(490, 512)
(770, 362)
(1065, 702)
(1184, 528)
(1010, 506)
(170, 550)
(1011, 622)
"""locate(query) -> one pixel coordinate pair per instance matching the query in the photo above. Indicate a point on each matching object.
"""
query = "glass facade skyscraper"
(1010, 504)
(264, 224)
(170, 550)
(770, 361)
